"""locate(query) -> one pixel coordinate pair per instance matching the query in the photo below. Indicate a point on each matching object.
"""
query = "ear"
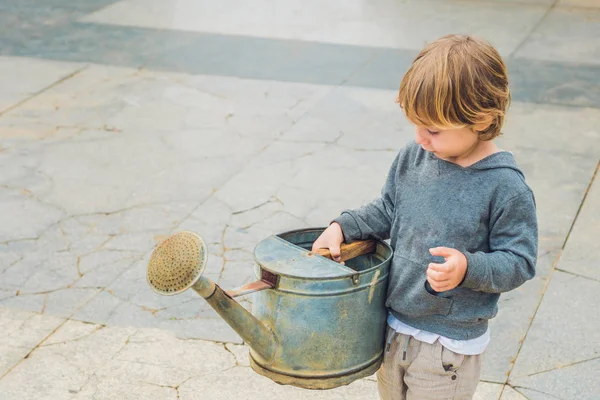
(484, 123)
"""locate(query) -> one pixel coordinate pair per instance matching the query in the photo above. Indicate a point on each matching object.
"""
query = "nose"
(420, 137)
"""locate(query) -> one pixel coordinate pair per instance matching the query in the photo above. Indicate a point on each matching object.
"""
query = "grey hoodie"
(486, 211)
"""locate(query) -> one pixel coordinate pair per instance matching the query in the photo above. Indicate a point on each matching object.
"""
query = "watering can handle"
(351, 250)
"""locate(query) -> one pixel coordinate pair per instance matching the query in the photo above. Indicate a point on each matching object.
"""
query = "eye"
(432, 132)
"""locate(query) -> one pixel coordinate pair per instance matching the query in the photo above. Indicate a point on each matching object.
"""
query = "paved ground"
(124, 121)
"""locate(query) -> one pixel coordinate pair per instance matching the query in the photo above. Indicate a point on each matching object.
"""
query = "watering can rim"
(349, 273)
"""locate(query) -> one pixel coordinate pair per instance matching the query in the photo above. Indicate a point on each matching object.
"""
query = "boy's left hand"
(446, 276)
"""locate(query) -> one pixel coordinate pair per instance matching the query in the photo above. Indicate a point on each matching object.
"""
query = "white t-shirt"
(467, 347)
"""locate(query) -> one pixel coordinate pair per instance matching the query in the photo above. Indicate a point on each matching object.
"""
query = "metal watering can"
(315, 323)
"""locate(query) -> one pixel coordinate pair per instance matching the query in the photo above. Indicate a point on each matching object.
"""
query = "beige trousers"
(425, 371)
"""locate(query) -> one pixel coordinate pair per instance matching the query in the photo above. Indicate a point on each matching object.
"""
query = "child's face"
(450, 144)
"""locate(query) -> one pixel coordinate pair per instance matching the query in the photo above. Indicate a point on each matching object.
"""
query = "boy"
(461, 220)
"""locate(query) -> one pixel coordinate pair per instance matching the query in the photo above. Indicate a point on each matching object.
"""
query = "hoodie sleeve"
(375, 218)
(513, 248)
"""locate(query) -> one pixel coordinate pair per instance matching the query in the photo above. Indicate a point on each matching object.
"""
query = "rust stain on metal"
(249, 288)
(373, 284)
(267, 280)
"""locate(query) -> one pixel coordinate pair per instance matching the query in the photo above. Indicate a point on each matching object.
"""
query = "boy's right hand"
(331, 238)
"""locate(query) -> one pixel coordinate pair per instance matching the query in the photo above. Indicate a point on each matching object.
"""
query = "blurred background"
(122, 122)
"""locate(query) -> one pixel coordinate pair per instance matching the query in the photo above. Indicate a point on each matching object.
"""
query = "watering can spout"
(177, 265)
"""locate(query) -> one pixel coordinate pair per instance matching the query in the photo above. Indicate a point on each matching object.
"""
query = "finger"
(442, 251)
(434, 285)
(445, 287)
(319, 244)
(439, 287)
(438, 277)
(439, 267)
(447, 267)
(334, 249)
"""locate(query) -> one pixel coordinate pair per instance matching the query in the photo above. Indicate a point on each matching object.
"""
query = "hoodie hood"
(499, 160)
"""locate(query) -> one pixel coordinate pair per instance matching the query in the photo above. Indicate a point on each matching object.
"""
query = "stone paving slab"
(295, 174)
(509, 328)
(511, 394)
(22, 20)
(579, 3)
(569, 82)
(148, 363)
(22, 78)
(21, 333)
(552, 129)
(237, 160)
(562, 37)
(382, 24)
(581, 252)
(562, 334)
(535, 395)
(582, 381)
(77, 42)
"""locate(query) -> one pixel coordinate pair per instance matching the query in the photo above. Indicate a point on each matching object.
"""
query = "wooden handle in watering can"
(351, 250)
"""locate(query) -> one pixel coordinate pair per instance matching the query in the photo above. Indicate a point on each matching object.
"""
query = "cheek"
(437, 141)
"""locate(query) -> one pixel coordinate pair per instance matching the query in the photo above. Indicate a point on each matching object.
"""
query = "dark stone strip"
(534, 81)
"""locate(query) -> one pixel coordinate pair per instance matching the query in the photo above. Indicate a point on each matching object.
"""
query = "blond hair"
(456, 81)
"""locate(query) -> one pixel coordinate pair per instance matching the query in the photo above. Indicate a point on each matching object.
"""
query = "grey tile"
(30, 302)
(250, 385)
(530, 394)
(509, 328)
(29, 6)
(565, 329)
(536, 81)
(354, 118)
(559, 182)
(552, 130)
(26, 20)
(579, 3)
(557, 82)
(58, 371)
(582, 252)
(213, 329)
(511, 394)
(30, 216)
(561, 82)
(385, 23)
(385, 70)
(260, 58)
(103, 275)
(21, 333)
(540, 2)
(566, 34)
(31, 14)
(99, 309)
(578, 381)
(100, 44)
(488, 391)
(63, 303)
